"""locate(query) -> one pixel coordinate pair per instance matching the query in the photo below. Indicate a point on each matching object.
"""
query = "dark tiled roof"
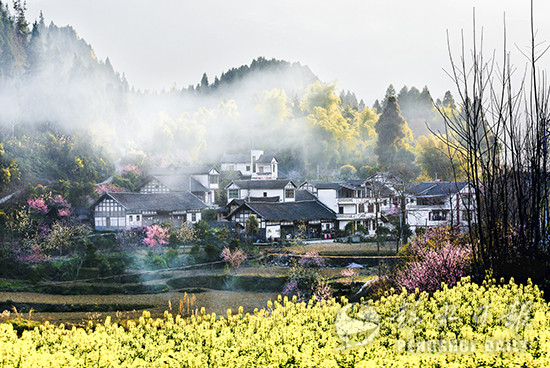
(291, 211)
(440, 188)
(181, 183)
(183, 170)
(195, 170)
(357, 182)
(304, 195)
(157, 201)
(236, 202)
(264, 199)
(262, 184)
(266, 158)
(235, 158)
(325, 185)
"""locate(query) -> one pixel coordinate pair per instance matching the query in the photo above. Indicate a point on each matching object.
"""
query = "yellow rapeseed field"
(501, 324)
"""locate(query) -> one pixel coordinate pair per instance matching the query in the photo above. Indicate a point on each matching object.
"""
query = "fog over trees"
(55, 91)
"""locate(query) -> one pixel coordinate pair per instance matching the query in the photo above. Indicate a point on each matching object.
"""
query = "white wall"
(260, 193)
(273, 231)
(328, 198)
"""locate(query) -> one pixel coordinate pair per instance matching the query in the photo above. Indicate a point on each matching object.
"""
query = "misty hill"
(264, 74)
(48, 73)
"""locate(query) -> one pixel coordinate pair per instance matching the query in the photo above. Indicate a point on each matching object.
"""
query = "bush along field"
(469, 325)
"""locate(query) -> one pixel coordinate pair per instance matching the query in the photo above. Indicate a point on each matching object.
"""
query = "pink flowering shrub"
(38, 204)
(304, 279)
(59, 201)
(437, 257)
(156, 235)
(63, 207)
(100, 189)
(131, 169)
(321, 291)
(235, 258)
(32, 255)
(349, 274)
(291, 289)
(311, 259)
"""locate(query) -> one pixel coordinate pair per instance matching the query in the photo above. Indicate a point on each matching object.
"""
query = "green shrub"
(158, 263)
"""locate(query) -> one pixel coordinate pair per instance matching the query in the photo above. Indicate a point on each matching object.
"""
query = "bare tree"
(501, 135)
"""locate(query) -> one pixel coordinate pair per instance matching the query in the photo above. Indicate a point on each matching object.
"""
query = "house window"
(265, 194)
(137, 217)
(193, 217)
(233, 193)
(131, 218)
(438, 216)
(361, 208)
(261, 169)
(247, 167)
(289, 193)
(385, 202)
(213, 179)
(371, 208)
(340, 209)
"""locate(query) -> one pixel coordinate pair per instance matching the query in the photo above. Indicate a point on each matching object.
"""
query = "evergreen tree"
(448, 100)
(204, 82)
(390, 92)
(21, 32)
(377, 106)
(392, 133)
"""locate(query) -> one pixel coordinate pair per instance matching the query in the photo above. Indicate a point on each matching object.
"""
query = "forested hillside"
(60, 103)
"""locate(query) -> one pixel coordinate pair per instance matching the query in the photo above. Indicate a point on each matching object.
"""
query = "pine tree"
(377, 106)
(204, 82)
(448, 100)
(392, 131)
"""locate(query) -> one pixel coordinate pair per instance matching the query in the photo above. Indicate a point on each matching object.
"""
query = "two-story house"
(284, 189)
(117, 211)
(253, 165)
(304, 217)
(202, 181)
(363, 202)
(433, 204)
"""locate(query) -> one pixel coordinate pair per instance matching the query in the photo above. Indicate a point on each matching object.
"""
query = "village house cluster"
(283, 208)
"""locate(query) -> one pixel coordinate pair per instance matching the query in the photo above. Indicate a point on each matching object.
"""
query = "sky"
(361, 45)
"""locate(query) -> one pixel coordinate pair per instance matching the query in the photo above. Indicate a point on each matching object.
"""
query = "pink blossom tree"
(349, 274)
(38, 204)
(156, 235)
(437, 257)
(62, 205)
(235, 258)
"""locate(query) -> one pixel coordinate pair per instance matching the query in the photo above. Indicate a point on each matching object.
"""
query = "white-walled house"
(432, 204)
(363, 202)
(284, 189)
(256, 164)
(202, 181)
(117, 211)
(282, 219)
